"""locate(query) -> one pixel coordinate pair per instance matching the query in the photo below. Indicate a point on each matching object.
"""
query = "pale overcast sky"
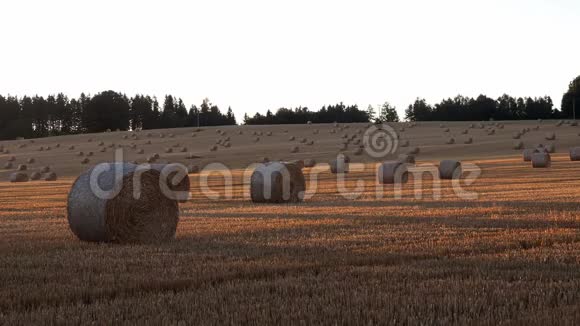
(257, 55)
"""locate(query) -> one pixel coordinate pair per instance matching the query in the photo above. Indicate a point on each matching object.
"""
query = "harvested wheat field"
(507, 250)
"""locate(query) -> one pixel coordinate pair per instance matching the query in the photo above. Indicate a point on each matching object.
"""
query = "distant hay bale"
(101, 143)
(140, 151)
(315, 132)
(183, 149)
(404, 143)
(227, 144)
(446, 130)
(468, 140)
(124, 218)
(50, 176)
(406, 158)
(303, 140)
(527, 154)
(35, 176)
(124, 136)
(575, 154)
(471, 126)
(310, 143)
(240, 132)
(414, 151)
(176, 145)
(169, 150)
(80, 154)
(269, 133)
(171, 135)
(500, 126)
(71, 147)
(541, 160)
(516, 135)
(192, 169)
(358, 151)
(559, 123)
(550, 136)
(103, 149)
(450, 141)
(256, 139)
(294, 149)
(309, 163)
(18, 177)
(292, 138)
(8, 166)
(213, 148)
(22, 167)
(551, 148)
(491, 132)
(450, 169)
(45, 169)
(392, 172)
(31, 160)
(148, 142)
(441, 125)
(277, 182)
(339, 165)
(41, 148)
(309, 122)
(518, 145)
(85, 160)
(464, 131)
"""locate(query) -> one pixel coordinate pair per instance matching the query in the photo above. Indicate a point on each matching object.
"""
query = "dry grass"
(510, 256)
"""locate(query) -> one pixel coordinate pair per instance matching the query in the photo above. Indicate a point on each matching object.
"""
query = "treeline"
(301, 115)
(55, 115)
(463, 108)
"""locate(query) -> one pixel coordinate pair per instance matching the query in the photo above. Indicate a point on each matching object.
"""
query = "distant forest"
(37, 116)
(55, 115)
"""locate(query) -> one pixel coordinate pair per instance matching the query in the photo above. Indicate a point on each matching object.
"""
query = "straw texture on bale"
(176, 178)
(339, 165)
(449, 169)
(18, 177)
(277, 182)
(393, 172)
(541, 160)
(121, 218)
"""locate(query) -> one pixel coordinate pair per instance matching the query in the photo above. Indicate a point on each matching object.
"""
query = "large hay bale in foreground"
(277, 182)
(541, 160)
(18, 177)
(340, 165)
(393, 172)
(575, 154)
(450, 169)
(114, 214)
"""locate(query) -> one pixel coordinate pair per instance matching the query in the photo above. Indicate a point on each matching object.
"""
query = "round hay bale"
(404, 143)
(491, 132)
(309, 122)
(213, 148)
(31, 160)
(406, 158)
(441, 125)
(358, 151)
(450, 169)
(8, 166)
(516, 135)
(22, 167)
(35, 176)
(171, 136)
(292, 138)
(85, 160)
(550, 136)
(192, 169)
(18, 177)
(551, 148)
(176, 145)
(256, 139)
(80, 153)
(310, 143)
(464, 131)
(183, 149)
(541, 160)
(414, 151)
(121, 217)
(124, 136)
(393, 172)
(50, 176)
(41, 148)
(141, 151)
(309, 163)
(277, 182)
(103, 149)
(269, 133)
(450, 141)
(468, 140)
(339, 165)
(294, 149)
(45, 169)
(575, 154)
(227, 144)
(446, 130)
(303, 140)
(71, 147)
(518, 145)
(527, 154)
(169, 150)
(148, 142)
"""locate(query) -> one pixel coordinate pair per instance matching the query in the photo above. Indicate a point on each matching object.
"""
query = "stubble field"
(512, 255)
